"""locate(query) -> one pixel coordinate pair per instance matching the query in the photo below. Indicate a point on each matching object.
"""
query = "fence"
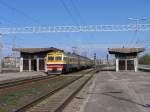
(144, 67)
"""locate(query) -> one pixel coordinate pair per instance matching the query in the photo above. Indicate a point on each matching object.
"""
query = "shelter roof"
(35, 50)
(125, 50)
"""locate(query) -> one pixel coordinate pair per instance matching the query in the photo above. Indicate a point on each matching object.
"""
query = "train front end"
(55, 63)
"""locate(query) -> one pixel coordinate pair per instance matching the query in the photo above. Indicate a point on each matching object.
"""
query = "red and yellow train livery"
(59, 62)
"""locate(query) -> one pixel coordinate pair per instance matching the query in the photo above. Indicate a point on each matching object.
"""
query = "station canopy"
(36, 50)
(125, 50)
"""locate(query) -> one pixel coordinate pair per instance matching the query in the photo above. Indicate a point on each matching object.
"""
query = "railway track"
(17, 82)
(57, 98)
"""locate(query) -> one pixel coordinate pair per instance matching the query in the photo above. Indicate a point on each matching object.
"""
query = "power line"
(7, 20)
(77, 12)
(19, 11)
(68, 11)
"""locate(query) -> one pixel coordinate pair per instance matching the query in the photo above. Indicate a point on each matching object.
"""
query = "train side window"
(70, 60)
(65, 58)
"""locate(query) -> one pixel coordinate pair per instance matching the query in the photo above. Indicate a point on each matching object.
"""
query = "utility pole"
(0, 52)
(107, 58)
(13, 45)
(95, 60)
(14, 55)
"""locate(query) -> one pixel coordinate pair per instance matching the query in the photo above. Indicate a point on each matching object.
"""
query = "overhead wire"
(8, 21)
(19, 11)
(77, 12)
(68, 11)
(82, 21)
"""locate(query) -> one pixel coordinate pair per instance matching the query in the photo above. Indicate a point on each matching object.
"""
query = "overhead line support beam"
(87, 28)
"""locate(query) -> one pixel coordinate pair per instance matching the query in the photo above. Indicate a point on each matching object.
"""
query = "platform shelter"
(126, 58)
(33, 59)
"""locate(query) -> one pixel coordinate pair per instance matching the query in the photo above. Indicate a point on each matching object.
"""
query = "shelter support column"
(37, 64)
(21, 64)
(45, 66)
(29, 65)
(117, 64)
(126, 64)
(136, 64)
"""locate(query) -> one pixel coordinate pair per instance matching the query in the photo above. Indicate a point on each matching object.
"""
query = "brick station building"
(126, 58)
(33, 59)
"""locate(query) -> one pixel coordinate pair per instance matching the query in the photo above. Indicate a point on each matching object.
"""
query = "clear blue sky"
(19, 13)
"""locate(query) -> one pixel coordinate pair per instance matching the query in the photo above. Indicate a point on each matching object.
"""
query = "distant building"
(126, 58)
(33, 59)
(10, 61)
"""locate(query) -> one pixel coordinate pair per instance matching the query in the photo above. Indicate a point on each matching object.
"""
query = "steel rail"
(23, 81)
(68, 100)
(46, 95)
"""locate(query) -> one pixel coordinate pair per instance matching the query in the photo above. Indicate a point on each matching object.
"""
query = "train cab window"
(50, 58)
(58, 58)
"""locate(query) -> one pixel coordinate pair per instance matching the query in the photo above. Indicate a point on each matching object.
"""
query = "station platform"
(118, 92)
(19, 75)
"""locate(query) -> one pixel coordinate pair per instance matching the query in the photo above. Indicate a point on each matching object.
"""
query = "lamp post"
(137, 20)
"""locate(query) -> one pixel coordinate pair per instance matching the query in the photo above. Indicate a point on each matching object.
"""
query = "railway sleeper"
(59, 100)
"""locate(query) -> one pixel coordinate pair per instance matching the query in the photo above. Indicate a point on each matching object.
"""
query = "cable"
(7, 20)
(77, 12)
(79, 16)
(18, 11)
(68, 11)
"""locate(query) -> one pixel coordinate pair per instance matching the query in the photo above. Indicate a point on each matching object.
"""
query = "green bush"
(145, 59)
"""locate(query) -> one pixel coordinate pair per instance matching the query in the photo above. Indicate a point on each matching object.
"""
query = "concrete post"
(37, 64)
(45, 66)
(21, 64)
(117, 64)
(136, 64)
(29, 65)
(126, 64)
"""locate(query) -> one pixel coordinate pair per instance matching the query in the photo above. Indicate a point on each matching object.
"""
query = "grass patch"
(10, 99)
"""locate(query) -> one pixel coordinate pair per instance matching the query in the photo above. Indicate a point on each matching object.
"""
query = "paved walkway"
(118, 92)
(8, 76)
